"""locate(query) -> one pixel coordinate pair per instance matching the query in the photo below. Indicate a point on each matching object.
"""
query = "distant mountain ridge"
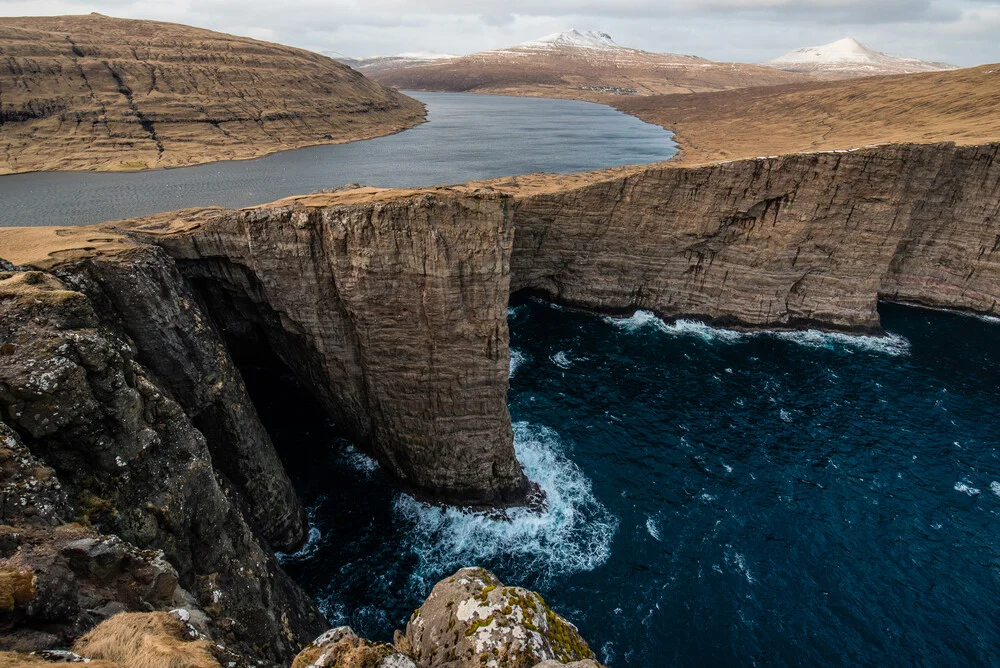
(577, 64)
(379, 63)
(849, 57)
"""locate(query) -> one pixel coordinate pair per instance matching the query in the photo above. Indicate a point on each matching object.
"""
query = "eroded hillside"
(95, 92)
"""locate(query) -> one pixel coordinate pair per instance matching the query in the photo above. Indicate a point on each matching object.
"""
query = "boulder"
(342, 648)
(472, 620)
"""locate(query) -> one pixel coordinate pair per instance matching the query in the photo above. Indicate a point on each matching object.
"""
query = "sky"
(962, 32)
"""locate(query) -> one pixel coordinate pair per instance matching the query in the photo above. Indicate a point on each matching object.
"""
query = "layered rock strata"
(96, 92)
(393, 312)
(798, 241)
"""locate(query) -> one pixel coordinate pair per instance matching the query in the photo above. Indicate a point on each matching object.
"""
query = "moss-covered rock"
(341, 648)
(472, 620)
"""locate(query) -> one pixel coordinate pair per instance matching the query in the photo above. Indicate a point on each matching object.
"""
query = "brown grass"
(961, 106)
(145, 640)
(581, 74)
(17, 587)
(15, 660)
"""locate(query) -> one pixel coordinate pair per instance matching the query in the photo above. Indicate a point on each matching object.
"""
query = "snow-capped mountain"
(849, 57)
(380, 63)
(572, 38)
(579, 64)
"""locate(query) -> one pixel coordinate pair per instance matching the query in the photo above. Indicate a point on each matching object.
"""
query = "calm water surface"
(717, 498)
(467, 137)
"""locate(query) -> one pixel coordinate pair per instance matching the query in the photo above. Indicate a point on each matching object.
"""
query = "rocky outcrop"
(472, 620)
(141, 294)
(342, 647)
(128, 461)
(95, 92)
(469, 620)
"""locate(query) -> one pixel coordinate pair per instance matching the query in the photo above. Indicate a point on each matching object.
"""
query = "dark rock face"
(145, 297)
(130, 463)
(802, 240)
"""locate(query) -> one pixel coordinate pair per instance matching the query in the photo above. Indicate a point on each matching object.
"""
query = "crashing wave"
(892, 344)
(313, 538)
(572, 533)
(358, 461)
(517, 358)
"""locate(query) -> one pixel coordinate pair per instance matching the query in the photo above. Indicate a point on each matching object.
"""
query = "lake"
(467, 137)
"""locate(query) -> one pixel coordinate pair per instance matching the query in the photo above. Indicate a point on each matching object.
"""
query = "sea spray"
(891, 344)
(517, 359)
(572, 533)
(313, 537)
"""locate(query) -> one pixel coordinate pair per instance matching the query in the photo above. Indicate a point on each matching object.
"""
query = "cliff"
(811, 240)
(116, 366)
(118, 453)
(95, 92)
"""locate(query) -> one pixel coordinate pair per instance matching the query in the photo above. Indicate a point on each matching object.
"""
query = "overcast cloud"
(963, 32)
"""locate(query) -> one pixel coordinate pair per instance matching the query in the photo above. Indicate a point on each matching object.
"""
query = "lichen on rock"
(471, 619)
(342, 648)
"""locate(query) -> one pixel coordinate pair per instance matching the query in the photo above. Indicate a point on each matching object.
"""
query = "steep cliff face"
(96, 92)
(129, 461)
(391, 307)
(393, 312)
(796, 241)
(142, 294)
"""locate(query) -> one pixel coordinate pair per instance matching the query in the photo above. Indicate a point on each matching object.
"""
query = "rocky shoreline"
(137, 477)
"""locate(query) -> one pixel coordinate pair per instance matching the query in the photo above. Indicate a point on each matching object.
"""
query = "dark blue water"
(716, 498)
(467, 137)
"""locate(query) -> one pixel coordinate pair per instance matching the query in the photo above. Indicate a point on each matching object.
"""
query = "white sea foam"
(572, 534)
(786, 416)
(995, 487)
(993, 320)
(653, 530)
(965, 486)
(517, 358)
(738, 562)
(892, 344)
(313, 538)
(515, 311)
(561, 360)
(359, 461)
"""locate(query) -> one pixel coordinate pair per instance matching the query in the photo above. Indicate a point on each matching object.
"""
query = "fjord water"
(715, 497)
(467, 137)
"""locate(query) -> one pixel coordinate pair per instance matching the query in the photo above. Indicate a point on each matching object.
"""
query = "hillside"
(848, 58)
(579, 65)
(95, 92)
(962, 106)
